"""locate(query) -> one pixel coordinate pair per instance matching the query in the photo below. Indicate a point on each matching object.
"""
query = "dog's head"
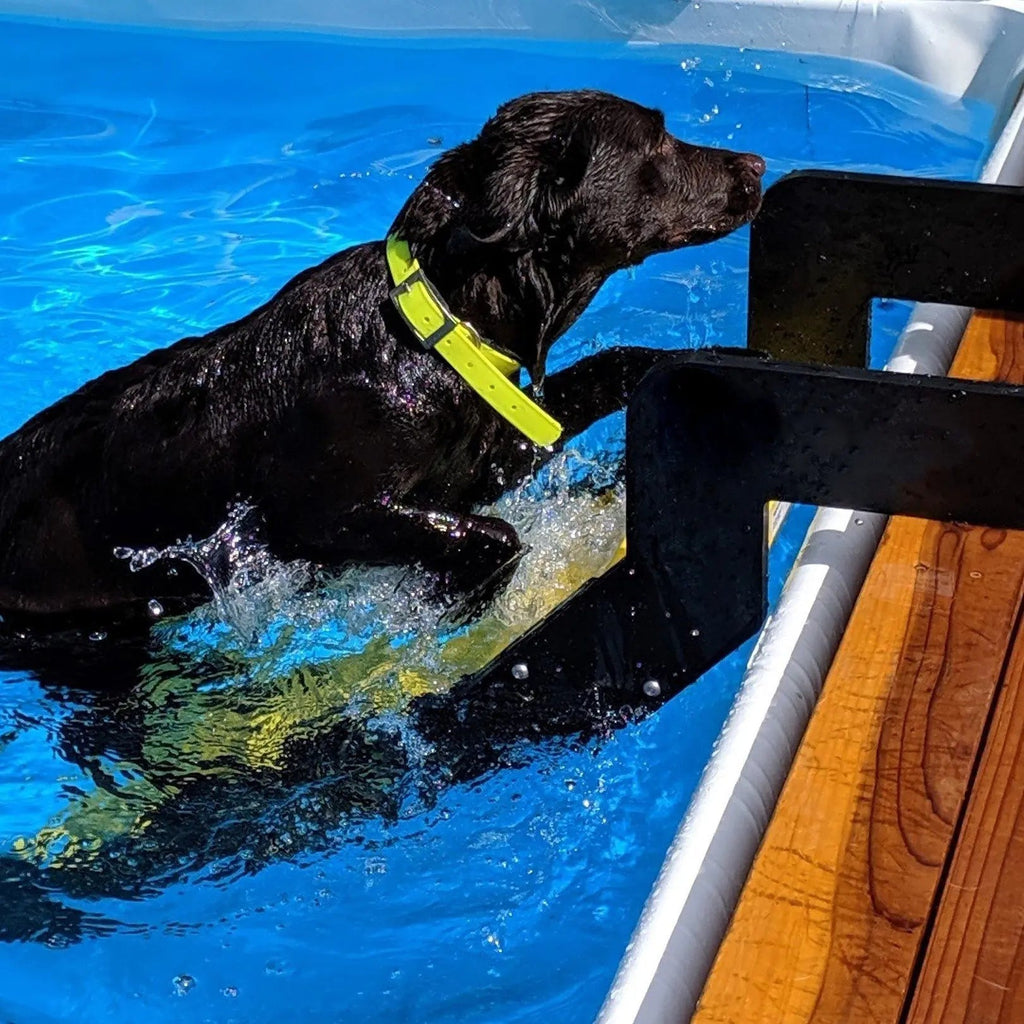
(583, 171)
(564, 188)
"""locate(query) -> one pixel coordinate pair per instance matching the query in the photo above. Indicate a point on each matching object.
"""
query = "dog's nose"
(751, 162)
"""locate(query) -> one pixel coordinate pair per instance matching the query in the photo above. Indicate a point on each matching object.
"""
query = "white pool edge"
(688, 911)
(902, 34)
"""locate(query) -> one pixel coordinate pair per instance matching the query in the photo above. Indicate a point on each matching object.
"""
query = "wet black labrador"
(354, 442)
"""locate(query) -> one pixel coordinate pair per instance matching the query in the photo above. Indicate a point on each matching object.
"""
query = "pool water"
(156, 185)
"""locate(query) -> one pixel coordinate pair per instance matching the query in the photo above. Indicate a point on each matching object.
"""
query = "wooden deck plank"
(973, 969)
(830, 924)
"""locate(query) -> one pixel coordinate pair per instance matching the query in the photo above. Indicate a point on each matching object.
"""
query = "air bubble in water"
(520, 670)
(183, 984)
(652, 688)
(156, 609)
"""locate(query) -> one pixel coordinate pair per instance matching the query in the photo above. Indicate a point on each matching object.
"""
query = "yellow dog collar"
(484, 369)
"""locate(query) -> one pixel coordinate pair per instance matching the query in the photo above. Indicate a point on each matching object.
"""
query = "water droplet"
(694, 632)
(520, 670)
(156, 609)
(652, 688)
(858, 522)
(183, 984)
(98, 635)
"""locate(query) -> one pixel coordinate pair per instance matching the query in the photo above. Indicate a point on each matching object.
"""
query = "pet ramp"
(713, 436)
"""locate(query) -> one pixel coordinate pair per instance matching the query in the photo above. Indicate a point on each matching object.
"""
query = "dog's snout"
(751, 163)
(746, 170)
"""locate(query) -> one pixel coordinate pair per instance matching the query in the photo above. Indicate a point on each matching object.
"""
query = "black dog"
(354, 442)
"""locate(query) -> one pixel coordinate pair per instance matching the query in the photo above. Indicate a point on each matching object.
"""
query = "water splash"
(249, 585)
(392, 620)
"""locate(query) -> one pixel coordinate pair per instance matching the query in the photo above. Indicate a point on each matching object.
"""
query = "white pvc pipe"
(673, 947)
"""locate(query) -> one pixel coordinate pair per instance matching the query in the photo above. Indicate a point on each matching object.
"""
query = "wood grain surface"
(973, 969)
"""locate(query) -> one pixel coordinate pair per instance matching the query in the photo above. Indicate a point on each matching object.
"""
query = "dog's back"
(154, 451)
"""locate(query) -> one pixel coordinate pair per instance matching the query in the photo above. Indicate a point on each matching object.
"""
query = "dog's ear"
(517, 206)
(565, 162)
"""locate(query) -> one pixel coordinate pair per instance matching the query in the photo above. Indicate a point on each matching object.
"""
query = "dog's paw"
(466, 600)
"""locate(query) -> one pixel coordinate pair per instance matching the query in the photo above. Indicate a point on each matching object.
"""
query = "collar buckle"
(448, 321)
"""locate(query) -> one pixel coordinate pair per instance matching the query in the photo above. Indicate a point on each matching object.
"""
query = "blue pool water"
(154, 185)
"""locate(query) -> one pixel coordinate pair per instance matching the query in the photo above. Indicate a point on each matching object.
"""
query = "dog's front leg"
(597, 386)
(472, 554)
(578, 396)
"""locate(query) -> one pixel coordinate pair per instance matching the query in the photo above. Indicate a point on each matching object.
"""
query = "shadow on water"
(209, 750)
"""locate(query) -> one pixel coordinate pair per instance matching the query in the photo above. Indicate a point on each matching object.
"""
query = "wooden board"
(841, 896)
(973, 969)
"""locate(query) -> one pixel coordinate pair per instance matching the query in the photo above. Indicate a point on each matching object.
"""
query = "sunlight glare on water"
(254, 831)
